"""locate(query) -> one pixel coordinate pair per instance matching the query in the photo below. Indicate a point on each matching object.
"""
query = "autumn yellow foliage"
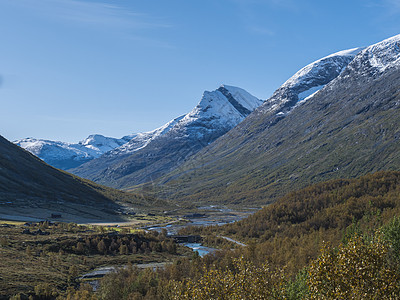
(246, 281)
(360, 269)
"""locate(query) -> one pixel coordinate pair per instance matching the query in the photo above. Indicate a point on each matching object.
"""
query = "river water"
(202, 250)
(217, 216)
(212, 215)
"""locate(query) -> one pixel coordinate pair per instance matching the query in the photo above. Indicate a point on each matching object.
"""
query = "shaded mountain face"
(67, 155)
(31, 188)
(169, 146)
(348, 128)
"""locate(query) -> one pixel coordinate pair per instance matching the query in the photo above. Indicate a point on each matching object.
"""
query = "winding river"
(211, 215)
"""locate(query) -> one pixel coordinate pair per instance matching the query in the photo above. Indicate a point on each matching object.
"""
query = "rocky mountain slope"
(348, 128)
(308, 81)
(31, 188)
(169, 146)
(68, 155)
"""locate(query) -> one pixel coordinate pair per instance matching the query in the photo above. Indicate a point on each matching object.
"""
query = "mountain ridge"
(65, 156)
(279, 148)
(216, 113)
(31, 188)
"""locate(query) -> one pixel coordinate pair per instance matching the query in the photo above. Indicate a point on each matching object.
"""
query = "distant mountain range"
(29, 188)
(349, 127)
(336, 117)
(142, 157)
(68, 155)
(138, 162)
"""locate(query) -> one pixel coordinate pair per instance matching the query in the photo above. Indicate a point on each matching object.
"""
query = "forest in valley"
(46, 260)
(334, 240)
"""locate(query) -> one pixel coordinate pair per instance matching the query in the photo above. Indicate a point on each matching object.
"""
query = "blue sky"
(70, 68)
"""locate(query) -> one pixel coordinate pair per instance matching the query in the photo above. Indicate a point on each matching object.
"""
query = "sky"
(71, 68)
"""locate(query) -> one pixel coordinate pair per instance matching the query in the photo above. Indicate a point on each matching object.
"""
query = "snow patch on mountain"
(227, 106)
(349, 52)
(304, 96)
(141, 140)
(244, 98)
(213, 107)
(101, 144)
(46, 149)
(305, 83)
(382, 56)
(66, 155)
(321, 69)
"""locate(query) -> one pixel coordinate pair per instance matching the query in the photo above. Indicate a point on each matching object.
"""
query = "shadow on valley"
(31, 188)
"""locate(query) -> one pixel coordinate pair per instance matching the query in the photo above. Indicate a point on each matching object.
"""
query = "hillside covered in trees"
(291, 231)
(334, 240)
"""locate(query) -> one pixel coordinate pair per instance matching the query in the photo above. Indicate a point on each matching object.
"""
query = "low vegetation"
(335, 240)
(364, 267)
(43, 259)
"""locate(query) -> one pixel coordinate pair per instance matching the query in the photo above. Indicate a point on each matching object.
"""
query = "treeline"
(292, 230)
(112, 244)
(364, 266)
(335, 240)
(44, 266)
(333, 204)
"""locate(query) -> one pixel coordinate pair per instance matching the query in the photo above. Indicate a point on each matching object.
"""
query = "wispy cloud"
(256, 23)
(393, 4)
(100, 15)
(385, 14)
(261, 30)
(391, 7)
(280, 4)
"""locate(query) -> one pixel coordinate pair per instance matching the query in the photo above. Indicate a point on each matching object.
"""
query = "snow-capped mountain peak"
(140, 140)
(221, 108)
(309, 80)
(69, 155)
(226, 106)
(242, 97)
(318, 70)
(150, 155)
(382, 56)
(217, 111)
(349, 52)
(102, 144)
